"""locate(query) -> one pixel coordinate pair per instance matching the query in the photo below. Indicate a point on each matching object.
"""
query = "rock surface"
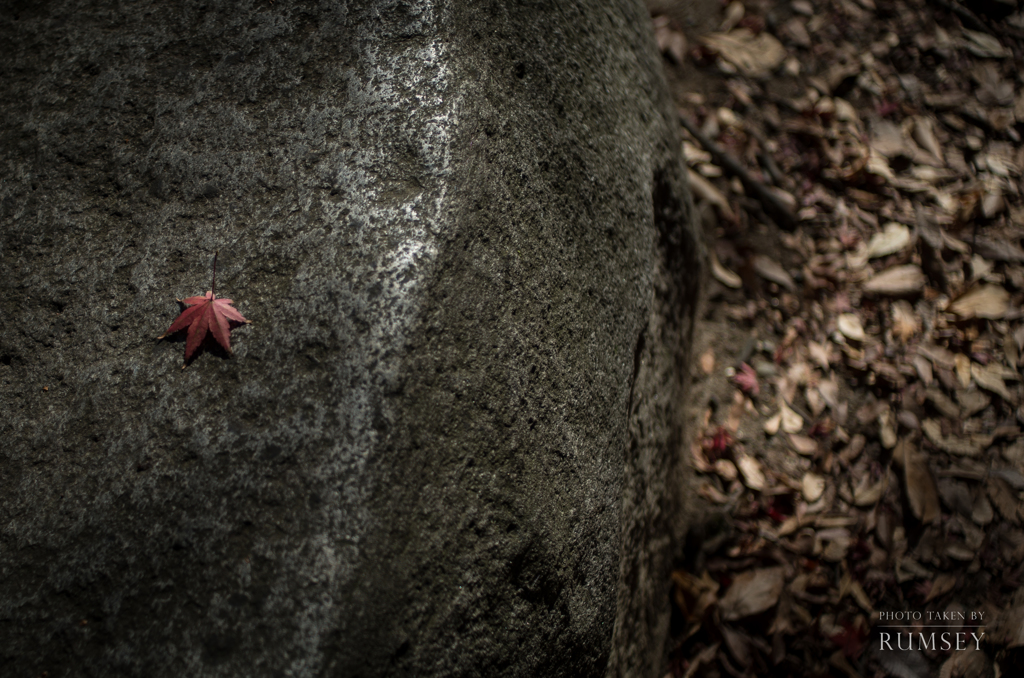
(450, 442)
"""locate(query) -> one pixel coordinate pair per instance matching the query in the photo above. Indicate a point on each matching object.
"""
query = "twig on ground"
(773, 205)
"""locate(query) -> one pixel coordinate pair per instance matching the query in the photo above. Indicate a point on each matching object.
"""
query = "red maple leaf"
(206, 314)
(746, 379)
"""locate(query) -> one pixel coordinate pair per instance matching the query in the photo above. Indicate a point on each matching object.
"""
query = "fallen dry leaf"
(984, 45)
(963, 369)
(750, 469)
(972, 401)
(694, 595)
(892, 239)
(733, 13)
(206, 315)
(722, 274)
(942, 403)
(704, 189)
(752, 592)
(803, 445)
(905, 323)
(707, 361)
(868, 493)
(712, 493)
(924, 370)
(705, 656)
(791, 421)
(849, 324)
(670, 41)
(990, 378)
(982, 301)
(726, 469)
(941, 585)
(754, 56)
(939, 355)
(998, 250)
(964, 447)
(769, 269)
(820, 354)
(896, 281)
(746, 379)
(887, 429)
(922, 495)
(924, 135)
(813, 486)
(1004, 498)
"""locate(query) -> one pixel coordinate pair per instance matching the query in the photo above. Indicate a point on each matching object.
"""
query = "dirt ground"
(857, 165)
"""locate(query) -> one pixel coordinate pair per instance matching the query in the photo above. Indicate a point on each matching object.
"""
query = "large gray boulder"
(449, 443)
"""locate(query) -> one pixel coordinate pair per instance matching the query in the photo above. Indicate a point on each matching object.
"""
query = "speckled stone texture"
(450, 442)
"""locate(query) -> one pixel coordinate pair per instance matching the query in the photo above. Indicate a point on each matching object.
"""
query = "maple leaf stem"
(213, 284)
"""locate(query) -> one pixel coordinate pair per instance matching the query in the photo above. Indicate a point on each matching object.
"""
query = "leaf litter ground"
(857, 166)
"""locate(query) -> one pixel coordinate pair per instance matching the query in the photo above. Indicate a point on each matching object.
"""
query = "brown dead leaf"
(887, 139)
(998, 250)
(941, 585)
(924, 370)
(969, 663)
(964, 447)
(813, 486)
(733, 13)
(892, 239)
(722, 274)
(705, 656)
(754, 56)
(771, 270)
(829, 390)
(942, 403)
(922, 495)
(726, 469)
(1007, 628)
(796, 30)
(972, 402)
(924, 135)
(750, 469)
(963, 369)
(939, 355)
(981, 510)
(752, 592)
(694, 595)
(982, 301)
(887, 429)
(712, 493)
(850, 586)
(670, 41)
(791, 421)
(833, 543)
(990, 378)
(705, 190)
(821, 354)
(1004, 498)
(804, 445)
(905, 323)
(896, 281)
(850, 326)
(984, 45)
(993, 89)
(707, 361)
(739, 644)
(868, 493)
(853, 448)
